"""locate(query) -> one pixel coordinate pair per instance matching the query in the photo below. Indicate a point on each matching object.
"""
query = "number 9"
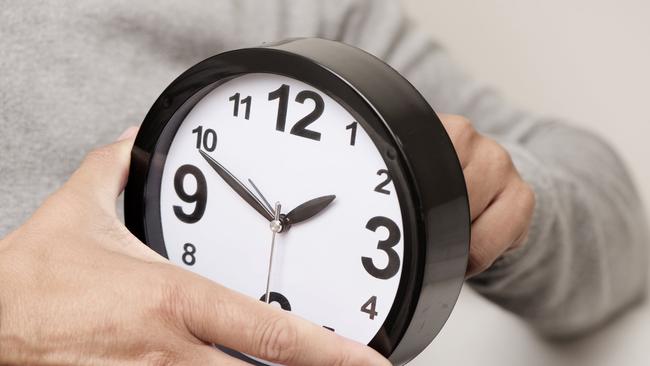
(200, 197)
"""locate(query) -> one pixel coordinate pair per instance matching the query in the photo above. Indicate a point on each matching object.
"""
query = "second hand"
(276, 226)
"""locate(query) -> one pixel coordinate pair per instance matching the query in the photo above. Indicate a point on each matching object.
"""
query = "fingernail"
(128, 133)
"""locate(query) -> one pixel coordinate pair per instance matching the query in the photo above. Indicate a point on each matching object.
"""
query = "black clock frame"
(418, 153)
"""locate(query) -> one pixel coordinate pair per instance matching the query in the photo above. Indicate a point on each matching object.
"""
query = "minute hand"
(237, 186)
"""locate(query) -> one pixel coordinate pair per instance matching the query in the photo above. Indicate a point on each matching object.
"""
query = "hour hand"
(308, 209)
(237, 186)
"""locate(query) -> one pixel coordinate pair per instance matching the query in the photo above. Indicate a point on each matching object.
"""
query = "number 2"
(380, 187)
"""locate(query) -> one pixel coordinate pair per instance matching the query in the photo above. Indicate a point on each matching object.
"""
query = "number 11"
(236, 100)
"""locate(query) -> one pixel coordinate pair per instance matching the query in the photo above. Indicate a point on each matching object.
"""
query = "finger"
(480, 189)
(204, 355)
(217, 315)
(103, 173)
(462, 135)
(128, 134)
(487, 174)
(500, 227)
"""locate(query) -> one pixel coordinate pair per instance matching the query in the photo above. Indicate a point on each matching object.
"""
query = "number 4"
(369, 307)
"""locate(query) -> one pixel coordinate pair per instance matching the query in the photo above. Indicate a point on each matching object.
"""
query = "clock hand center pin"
(301, 213)
(275, 226)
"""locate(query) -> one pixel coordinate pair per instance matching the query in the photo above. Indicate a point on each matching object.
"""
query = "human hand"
(501, 203)
(77, 288)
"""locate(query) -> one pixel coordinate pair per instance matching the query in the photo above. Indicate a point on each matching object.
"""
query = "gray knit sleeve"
(585, 259)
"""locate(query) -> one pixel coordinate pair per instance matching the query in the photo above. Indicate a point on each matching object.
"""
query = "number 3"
(387, 246)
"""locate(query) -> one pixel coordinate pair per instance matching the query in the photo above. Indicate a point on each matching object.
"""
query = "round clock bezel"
(396, 118)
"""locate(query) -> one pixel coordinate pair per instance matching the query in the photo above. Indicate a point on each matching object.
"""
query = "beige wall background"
(586, 61)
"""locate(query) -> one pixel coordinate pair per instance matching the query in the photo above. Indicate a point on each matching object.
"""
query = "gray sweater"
(74, 74)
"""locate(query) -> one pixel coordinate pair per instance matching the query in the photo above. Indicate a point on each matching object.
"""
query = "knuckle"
(499, 157)
(172, 303)
(278, 341)
(526, 198)
(460, 128)
(461, 122)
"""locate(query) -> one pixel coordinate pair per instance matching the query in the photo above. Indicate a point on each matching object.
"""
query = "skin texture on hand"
(501, 203)
(78, 289)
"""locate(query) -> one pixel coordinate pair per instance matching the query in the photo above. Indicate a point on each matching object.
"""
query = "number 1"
(247, 101)
(282, 93)
(235, 99)
(353, 134)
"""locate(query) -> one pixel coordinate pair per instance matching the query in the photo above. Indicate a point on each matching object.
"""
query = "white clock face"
(339, 269)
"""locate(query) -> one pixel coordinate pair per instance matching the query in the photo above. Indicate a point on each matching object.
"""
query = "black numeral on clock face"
(236, 102)
(369, 307)
(380, 187)
(189, 251)
(386, 246)
(207, 139)
(353, 132)
(199, 198)
(300, 128)
(282, 94)
(278, 298)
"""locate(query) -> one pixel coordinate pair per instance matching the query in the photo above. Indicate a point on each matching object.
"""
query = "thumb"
(104, 171)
